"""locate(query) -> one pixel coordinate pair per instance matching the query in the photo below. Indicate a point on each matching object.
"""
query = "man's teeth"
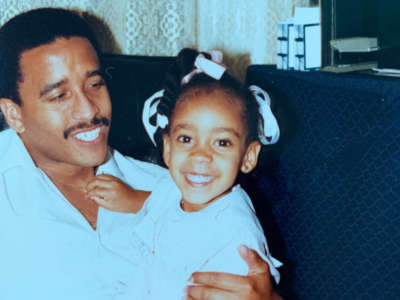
(199, 178)
(88, 136)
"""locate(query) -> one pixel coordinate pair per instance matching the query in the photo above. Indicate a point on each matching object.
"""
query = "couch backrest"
(334, 182)
(131, 80)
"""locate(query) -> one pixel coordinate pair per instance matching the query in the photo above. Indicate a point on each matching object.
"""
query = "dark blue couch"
(328, 194)
(333, 181)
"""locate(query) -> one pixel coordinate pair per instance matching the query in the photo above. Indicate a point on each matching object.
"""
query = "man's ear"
(12, 114)
(251, 157)
(166, 149)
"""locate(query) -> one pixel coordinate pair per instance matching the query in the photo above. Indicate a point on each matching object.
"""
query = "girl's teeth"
(199, 178)
(88, 136)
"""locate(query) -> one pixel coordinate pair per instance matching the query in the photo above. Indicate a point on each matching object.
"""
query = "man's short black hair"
(32, 29)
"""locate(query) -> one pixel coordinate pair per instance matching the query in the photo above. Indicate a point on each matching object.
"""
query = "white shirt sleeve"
(139, 174)
(227, 258)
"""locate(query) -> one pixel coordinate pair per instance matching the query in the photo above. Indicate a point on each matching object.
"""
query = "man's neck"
(78, 177)
(71, 180)
(72, 184)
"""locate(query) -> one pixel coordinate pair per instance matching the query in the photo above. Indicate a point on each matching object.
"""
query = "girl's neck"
(195, 207)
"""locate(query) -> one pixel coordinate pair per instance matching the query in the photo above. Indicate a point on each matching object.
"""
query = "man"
(52, 238)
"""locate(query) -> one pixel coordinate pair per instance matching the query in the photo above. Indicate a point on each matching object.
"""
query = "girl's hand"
(219, 286)
(112, 193)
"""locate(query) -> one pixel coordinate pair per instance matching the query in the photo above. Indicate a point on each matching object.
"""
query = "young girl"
(209, 127)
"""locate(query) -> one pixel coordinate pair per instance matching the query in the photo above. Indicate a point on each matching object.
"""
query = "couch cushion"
(333, 181)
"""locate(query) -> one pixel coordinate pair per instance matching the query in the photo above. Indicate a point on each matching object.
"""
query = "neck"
(75, 176)
(72, 183)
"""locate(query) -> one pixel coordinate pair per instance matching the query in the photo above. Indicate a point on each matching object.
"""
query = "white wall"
(245, 30)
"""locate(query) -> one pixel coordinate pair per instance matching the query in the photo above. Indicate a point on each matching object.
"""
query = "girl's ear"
(166, 149)
(12, 114)
(251, 157)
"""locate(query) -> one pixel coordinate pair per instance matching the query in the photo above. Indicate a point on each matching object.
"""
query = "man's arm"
(256, 285)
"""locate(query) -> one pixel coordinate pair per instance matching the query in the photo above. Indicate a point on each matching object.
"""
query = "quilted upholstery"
(334, 184)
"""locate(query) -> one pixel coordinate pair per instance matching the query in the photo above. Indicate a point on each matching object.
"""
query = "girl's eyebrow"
(216, 130)
(182, 126)
(227, 129)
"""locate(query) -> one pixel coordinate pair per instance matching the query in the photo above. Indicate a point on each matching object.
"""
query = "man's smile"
(88, 135)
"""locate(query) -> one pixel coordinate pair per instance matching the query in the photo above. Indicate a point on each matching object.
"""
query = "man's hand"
(112, 193)
(223, 286)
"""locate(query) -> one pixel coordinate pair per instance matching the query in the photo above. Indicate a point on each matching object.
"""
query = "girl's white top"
(170, 244)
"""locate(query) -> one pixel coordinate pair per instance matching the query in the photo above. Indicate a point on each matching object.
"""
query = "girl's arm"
(112, 193)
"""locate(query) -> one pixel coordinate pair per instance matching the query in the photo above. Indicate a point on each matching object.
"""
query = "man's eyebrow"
(48, 88)
(95, 73)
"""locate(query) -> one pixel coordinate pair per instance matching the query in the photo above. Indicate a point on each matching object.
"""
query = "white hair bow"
(212, 67)
(268, 128)
(149, 111)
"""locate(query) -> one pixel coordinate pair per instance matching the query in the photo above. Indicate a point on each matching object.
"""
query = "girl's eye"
(223, 143)
(184, 139)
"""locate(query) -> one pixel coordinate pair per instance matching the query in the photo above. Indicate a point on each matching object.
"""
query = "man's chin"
(90, 160)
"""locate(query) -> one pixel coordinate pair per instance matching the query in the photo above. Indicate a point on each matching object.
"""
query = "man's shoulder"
(6, 138)
(238, 211)
(132, 164)
(140, 173)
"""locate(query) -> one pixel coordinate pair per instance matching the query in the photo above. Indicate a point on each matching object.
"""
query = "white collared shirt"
(47, 248)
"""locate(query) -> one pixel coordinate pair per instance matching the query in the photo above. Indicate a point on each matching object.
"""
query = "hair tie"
(268, 128)
(150, 114)
(212, 67)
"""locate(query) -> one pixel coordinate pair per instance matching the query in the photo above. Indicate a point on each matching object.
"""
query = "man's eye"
(97, 84)
(184, 139)
(58, 97)
(223, 143)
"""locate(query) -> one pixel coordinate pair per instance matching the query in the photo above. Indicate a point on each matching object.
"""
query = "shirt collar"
(16, 154)
(110, 166)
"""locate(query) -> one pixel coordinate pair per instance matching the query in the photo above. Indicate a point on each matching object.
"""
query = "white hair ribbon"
(150, 110)
(212, 67)
(268, 128)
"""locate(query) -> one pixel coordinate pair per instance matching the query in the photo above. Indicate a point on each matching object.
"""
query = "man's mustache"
(95, 121)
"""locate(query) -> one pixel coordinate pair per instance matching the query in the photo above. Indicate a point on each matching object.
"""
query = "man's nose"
(84, 108)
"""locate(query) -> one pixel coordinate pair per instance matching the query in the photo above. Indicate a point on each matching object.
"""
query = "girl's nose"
(201, 154)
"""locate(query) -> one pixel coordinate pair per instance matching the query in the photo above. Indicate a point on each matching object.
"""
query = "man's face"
(66, 109)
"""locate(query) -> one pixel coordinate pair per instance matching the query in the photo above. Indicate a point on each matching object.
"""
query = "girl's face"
(206, 147)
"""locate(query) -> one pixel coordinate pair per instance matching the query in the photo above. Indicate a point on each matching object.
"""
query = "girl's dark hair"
(173, 91)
